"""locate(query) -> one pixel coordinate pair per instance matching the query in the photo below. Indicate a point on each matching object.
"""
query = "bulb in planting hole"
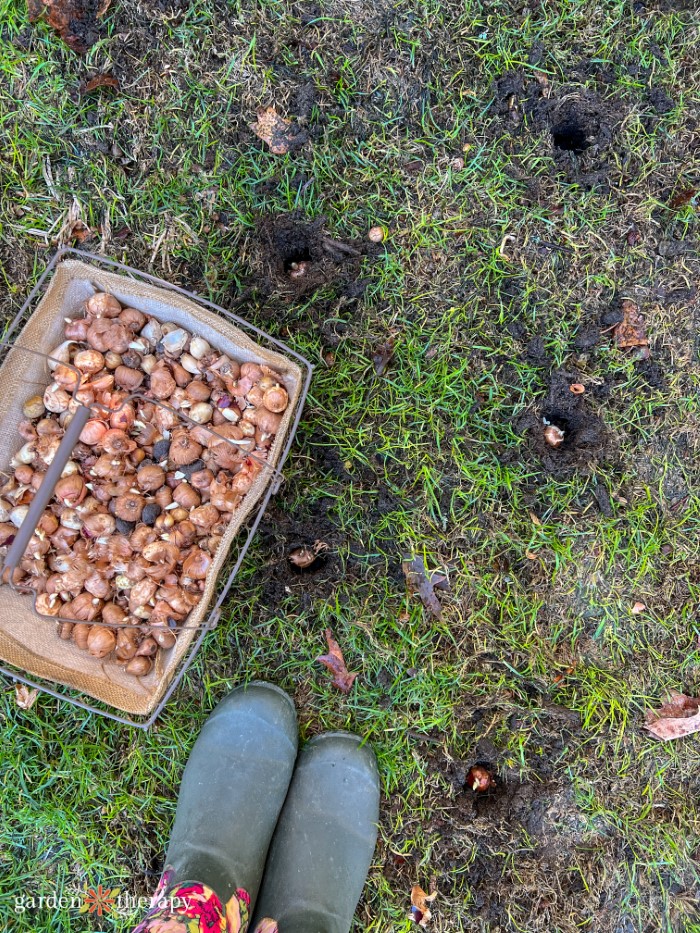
(302, 557)
(553, 435)
(297, 270)
(480, 779)
(577, 388)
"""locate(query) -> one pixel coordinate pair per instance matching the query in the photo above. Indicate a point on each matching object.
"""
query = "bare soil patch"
(295, 257)
(585, 435)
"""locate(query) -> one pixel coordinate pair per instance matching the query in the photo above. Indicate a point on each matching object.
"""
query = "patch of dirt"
(280, 532)
(295, 257)
(585, 434)
(577, 125)
(470, 833)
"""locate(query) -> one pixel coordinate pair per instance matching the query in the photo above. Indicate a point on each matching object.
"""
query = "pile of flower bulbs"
(140, 510)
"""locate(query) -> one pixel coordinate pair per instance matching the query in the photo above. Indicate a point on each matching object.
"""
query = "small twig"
(557, 246)
(340, 247)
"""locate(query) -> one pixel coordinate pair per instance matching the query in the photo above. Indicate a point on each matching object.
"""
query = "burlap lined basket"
(28, 641)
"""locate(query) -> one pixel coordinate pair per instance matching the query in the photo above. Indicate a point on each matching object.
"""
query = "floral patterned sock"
(193, 907)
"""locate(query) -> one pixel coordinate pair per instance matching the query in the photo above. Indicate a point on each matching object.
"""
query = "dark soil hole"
(295, 256)
(571, 135)
(585, 435)
(485, 800)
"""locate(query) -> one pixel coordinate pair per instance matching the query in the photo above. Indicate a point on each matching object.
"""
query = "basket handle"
(43, 494)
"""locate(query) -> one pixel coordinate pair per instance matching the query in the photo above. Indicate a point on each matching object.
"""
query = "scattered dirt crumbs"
(297, 257)
(584, 434)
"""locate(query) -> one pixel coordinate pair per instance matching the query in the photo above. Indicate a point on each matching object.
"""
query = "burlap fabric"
(30, 642)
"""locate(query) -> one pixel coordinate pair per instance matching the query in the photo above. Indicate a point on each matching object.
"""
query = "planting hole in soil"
(564, 432)
(297, 257)
(293, 262)
(575, 127)
(570, 134)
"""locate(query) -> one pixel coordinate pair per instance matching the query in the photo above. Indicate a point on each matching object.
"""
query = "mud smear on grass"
(295, 257)
(585, 435)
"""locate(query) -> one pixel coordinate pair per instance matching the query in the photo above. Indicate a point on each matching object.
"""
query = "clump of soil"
(585, 434)
(296, 257)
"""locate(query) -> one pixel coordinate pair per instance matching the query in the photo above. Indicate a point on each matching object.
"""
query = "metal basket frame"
(272, 488)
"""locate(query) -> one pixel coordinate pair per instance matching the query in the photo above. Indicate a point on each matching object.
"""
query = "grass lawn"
(524, 158)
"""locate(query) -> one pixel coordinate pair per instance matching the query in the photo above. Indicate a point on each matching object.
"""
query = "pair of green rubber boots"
(298, 833)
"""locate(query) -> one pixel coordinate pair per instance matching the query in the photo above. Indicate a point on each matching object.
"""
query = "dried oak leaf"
(74, 20)
(382, 356)
(335, 662)
(24, 697)
(420, 909)
(98, 81)
(678, 717)
(280, 134)
(631, 331)
(419, 582)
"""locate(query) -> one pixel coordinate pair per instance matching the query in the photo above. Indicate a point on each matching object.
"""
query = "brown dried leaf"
(98, 81)
(419, 582)
(80, 232)
(25, 697)
(631, 331)
(382, 356)
(74, 20)
(280, 134)
(335, 662)
(683, 197)
(543, 82)
(420, 909)
(679, 717)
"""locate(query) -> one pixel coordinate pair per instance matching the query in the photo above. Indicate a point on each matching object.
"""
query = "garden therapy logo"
(97, 901)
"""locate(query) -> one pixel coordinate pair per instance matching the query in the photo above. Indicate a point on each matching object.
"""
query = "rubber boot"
(232, 791)
(325, 838)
